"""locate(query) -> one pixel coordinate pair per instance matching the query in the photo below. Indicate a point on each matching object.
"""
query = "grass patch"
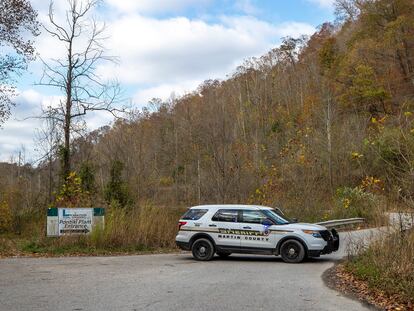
(143, 229)
(18, 246)
(387, 265)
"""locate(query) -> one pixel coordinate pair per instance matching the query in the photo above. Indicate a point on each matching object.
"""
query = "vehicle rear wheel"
(292, 251)
(202, 250)
(223, 255)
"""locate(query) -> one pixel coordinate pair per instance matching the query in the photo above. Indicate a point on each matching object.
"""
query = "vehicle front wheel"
(223, 255)
(202, 250)
(292, 251)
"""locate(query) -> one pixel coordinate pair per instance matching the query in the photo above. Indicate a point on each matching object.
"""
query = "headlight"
(314, 233)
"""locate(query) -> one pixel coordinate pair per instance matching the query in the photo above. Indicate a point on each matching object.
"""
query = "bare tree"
(17, 18)
(75, 73)
(347, 10)
(48, 139)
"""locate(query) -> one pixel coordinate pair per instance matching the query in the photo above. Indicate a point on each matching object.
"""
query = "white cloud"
(295, 29)
(19, 131)
(158, 6)
(96, 119)
(170, 51)
(323, 3)
(247, 7)
(165, 91)
(166, 51)
(262, 31)
(158, 56)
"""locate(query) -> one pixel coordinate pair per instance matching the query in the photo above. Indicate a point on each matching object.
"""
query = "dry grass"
(144, 228)
(388, 264)
(148, 226)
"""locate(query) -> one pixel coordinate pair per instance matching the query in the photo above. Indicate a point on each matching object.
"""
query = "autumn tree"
(384, 38)
(18, 22)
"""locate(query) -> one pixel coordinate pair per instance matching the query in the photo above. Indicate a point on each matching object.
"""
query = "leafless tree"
(48, 139)
(347, 10)
(75, 74)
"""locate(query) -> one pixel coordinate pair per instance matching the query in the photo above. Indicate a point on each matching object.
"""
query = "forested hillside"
(320, 126)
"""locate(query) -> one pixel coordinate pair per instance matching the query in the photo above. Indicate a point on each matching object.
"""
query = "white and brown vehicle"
(225, 229)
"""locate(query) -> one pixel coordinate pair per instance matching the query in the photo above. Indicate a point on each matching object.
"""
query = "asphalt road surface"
(171, 282)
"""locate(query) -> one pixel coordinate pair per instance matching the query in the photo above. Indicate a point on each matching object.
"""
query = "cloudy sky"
(164, 47)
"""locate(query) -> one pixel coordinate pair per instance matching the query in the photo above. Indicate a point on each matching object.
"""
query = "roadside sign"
(75, 220)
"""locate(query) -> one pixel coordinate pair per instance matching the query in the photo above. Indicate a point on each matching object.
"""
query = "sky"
(165, 48)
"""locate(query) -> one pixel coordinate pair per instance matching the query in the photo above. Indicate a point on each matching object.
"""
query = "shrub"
(87, 177)
(355, 202)
(146, 226)
(388, 264)
(6, 217)
(117, 189)
(72, 194)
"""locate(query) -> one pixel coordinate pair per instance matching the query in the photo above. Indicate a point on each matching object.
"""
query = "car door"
(228, 229)
(256, 235)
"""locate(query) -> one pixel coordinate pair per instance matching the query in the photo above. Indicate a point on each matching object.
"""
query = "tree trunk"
(66, 148)
(329, 140)
(68, 111)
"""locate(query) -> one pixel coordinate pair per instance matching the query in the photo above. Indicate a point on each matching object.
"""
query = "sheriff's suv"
(226, 229)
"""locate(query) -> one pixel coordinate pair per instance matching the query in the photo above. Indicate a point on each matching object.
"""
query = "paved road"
(170, 282)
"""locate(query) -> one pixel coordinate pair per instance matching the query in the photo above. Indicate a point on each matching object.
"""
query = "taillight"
(181, 223)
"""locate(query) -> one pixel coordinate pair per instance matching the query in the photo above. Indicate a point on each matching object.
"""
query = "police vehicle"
(225, 229)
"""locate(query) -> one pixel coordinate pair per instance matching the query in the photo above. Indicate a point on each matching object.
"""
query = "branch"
(62, 35)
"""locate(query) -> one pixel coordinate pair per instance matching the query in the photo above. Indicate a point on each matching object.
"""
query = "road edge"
(344, 282)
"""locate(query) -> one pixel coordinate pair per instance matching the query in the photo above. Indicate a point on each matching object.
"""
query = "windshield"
(275, 217)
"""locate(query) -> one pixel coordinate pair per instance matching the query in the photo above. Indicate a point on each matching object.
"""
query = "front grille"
(326, 235)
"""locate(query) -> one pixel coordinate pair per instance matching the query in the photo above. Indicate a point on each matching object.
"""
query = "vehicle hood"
(303, 226)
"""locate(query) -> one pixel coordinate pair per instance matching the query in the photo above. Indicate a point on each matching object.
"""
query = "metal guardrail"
(341, 222)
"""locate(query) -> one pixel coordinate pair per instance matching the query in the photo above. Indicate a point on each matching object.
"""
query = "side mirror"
(294, 220)
(267, 222)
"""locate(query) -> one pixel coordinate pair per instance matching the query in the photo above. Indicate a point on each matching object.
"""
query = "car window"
(194, 214)
(225, 215)
(275, 217)
(253, 217)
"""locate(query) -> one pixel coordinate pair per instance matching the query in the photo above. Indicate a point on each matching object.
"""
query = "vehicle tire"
(202, 250)
(292, 251)
(223, 255)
